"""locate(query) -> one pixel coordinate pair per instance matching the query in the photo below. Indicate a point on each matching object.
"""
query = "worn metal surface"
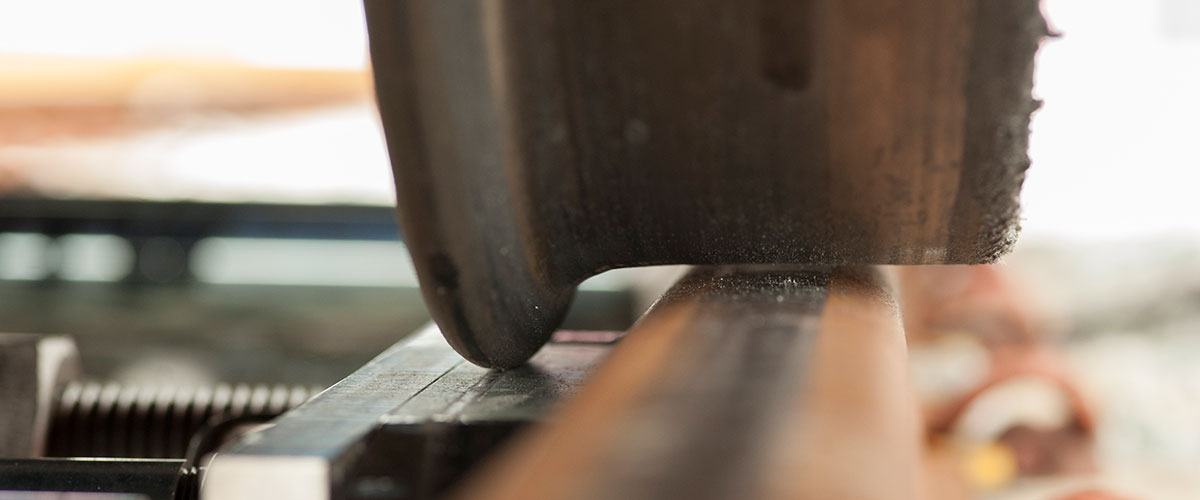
(403, 426)
(33, 369)
(106, 479)
(742, 382)
(538, 142)
(700, 426)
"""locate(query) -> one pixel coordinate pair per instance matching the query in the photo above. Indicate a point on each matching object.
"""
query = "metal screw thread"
(93, 419)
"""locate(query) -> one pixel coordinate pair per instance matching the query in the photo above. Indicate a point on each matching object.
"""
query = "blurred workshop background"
(199, 192)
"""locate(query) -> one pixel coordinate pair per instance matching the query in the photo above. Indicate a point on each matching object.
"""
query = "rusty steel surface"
(538, 142)
(754, 382)
(757, 381)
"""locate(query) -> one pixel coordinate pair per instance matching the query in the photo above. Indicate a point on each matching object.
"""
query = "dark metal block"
(538, 142)
(33, 368)
(107, 479)
(406, 425)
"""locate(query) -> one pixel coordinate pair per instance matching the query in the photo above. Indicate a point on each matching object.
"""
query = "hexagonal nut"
(33, 369)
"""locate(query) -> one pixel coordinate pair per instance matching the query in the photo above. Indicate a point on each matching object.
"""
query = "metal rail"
(194, 220)
(742, 382)
(405, 425)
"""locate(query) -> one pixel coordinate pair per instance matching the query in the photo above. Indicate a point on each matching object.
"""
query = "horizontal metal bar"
(773, 381)
(120, 478)
(419, 387)
(196, 219)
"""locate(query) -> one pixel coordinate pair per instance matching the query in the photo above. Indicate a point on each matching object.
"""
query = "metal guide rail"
(742, 382)
(405, 425)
